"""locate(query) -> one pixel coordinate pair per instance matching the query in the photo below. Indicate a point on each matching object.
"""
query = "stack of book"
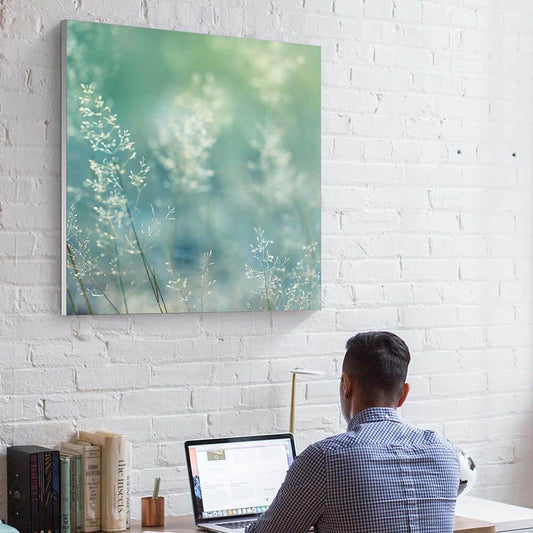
(81, 488)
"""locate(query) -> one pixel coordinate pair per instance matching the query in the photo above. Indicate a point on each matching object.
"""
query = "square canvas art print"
(190, 172)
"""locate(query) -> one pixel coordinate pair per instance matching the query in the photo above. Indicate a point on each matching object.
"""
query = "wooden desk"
(177, 524)
(469, 525)
(185, 524)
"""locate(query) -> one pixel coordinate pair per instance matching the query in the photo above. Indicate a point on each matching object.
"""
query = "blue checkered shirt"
(381, 476)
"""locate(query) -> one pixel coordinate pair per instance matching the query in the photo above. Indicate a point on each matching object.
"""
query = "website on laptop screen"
(238, 478)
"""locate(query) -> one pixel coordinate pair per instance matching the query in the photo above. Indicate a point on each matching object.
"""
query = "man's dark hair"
(378, 362)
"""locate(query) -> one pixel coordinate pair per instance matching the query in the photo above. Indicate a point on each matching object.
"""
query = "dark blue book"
(50, 492)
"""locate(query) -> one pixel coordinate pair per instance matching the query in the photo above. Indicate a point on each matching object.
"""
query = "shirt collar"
(374, 414)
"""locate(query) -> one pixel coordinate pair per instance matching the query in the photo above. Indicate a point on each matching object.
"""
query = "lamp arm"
(293, 394)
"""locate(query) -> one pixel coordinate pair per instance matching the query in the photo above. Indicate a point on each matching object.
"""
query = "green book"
(76, 496)
(89, 474)
(65, 461)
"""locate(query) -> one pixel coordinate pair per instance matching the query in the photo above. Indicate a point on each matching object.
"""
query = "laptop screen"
(237, 476)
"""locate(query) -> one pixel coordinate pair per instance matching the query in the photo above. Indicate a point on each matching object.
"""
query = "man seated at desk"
(382, 475)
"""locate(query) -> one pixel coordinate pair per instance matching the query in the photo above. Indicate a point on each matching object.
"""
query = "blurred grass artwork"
(192, 172)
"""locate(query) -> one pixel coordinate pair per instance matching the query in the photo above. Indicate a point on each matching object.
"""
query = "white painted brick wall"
(426, 231)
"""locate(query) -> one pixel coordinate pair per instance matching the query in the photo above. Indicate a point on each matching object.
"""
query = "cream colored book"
(90, 487)
(113, 485)
(129, 447)
(128, 485)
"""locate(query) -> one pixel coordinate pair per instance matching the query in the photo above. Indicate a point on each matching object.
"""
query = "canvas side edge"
(320, 304)
(63, 97)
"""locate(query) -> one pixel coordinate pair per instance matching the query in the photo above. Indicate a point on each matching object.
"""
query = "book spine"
(91, 488)
(48, 494)
(34, 492)
(122, 484)
(65, 494)
(56, 491)
(128, 485)
(73, 501)
(80, 519)
(19, 505)
(120, 449)
(114, 503)
(43, 519)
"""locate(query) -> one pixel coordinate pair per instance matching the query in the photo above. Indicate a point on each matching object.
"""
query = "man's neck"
(361, 407)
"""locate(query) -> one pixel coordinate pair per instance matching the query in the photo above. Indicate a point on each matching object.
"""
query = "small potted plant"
(153, 507)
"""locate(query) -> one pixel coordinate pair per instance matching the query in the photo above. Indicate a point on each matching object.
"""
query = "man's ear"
(347, 386)
(405, 392)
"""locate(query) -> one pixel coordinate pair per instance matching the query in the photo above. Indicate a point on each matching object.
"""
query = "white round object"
(468, 473)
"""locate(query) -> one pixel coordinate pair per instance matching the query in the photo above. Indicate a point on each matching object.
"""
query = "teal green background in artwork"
(193, 172)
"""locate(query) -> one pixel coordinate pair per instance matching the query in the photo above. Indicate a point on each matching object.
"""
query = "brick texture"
(427, 230)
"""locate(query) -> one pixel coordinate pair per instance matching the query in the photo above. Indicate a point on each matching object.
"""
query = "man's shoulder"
(430, 437)
(400, 435)
(320, 448)
(334, 442)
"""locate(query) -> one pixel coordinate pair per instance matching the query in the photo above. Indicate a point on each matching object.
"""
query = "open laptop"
(234, 480)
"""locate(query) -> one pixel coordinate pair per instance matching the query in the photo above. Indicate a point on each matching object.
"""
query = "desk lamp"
(294, 372)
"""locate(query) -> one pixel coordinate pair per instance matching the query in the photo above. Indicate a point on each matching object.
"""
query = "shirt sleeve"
(301, 500)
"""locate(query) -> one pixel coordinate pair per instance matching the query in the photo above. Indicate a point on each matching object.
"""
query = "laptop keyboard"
(237, 525)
